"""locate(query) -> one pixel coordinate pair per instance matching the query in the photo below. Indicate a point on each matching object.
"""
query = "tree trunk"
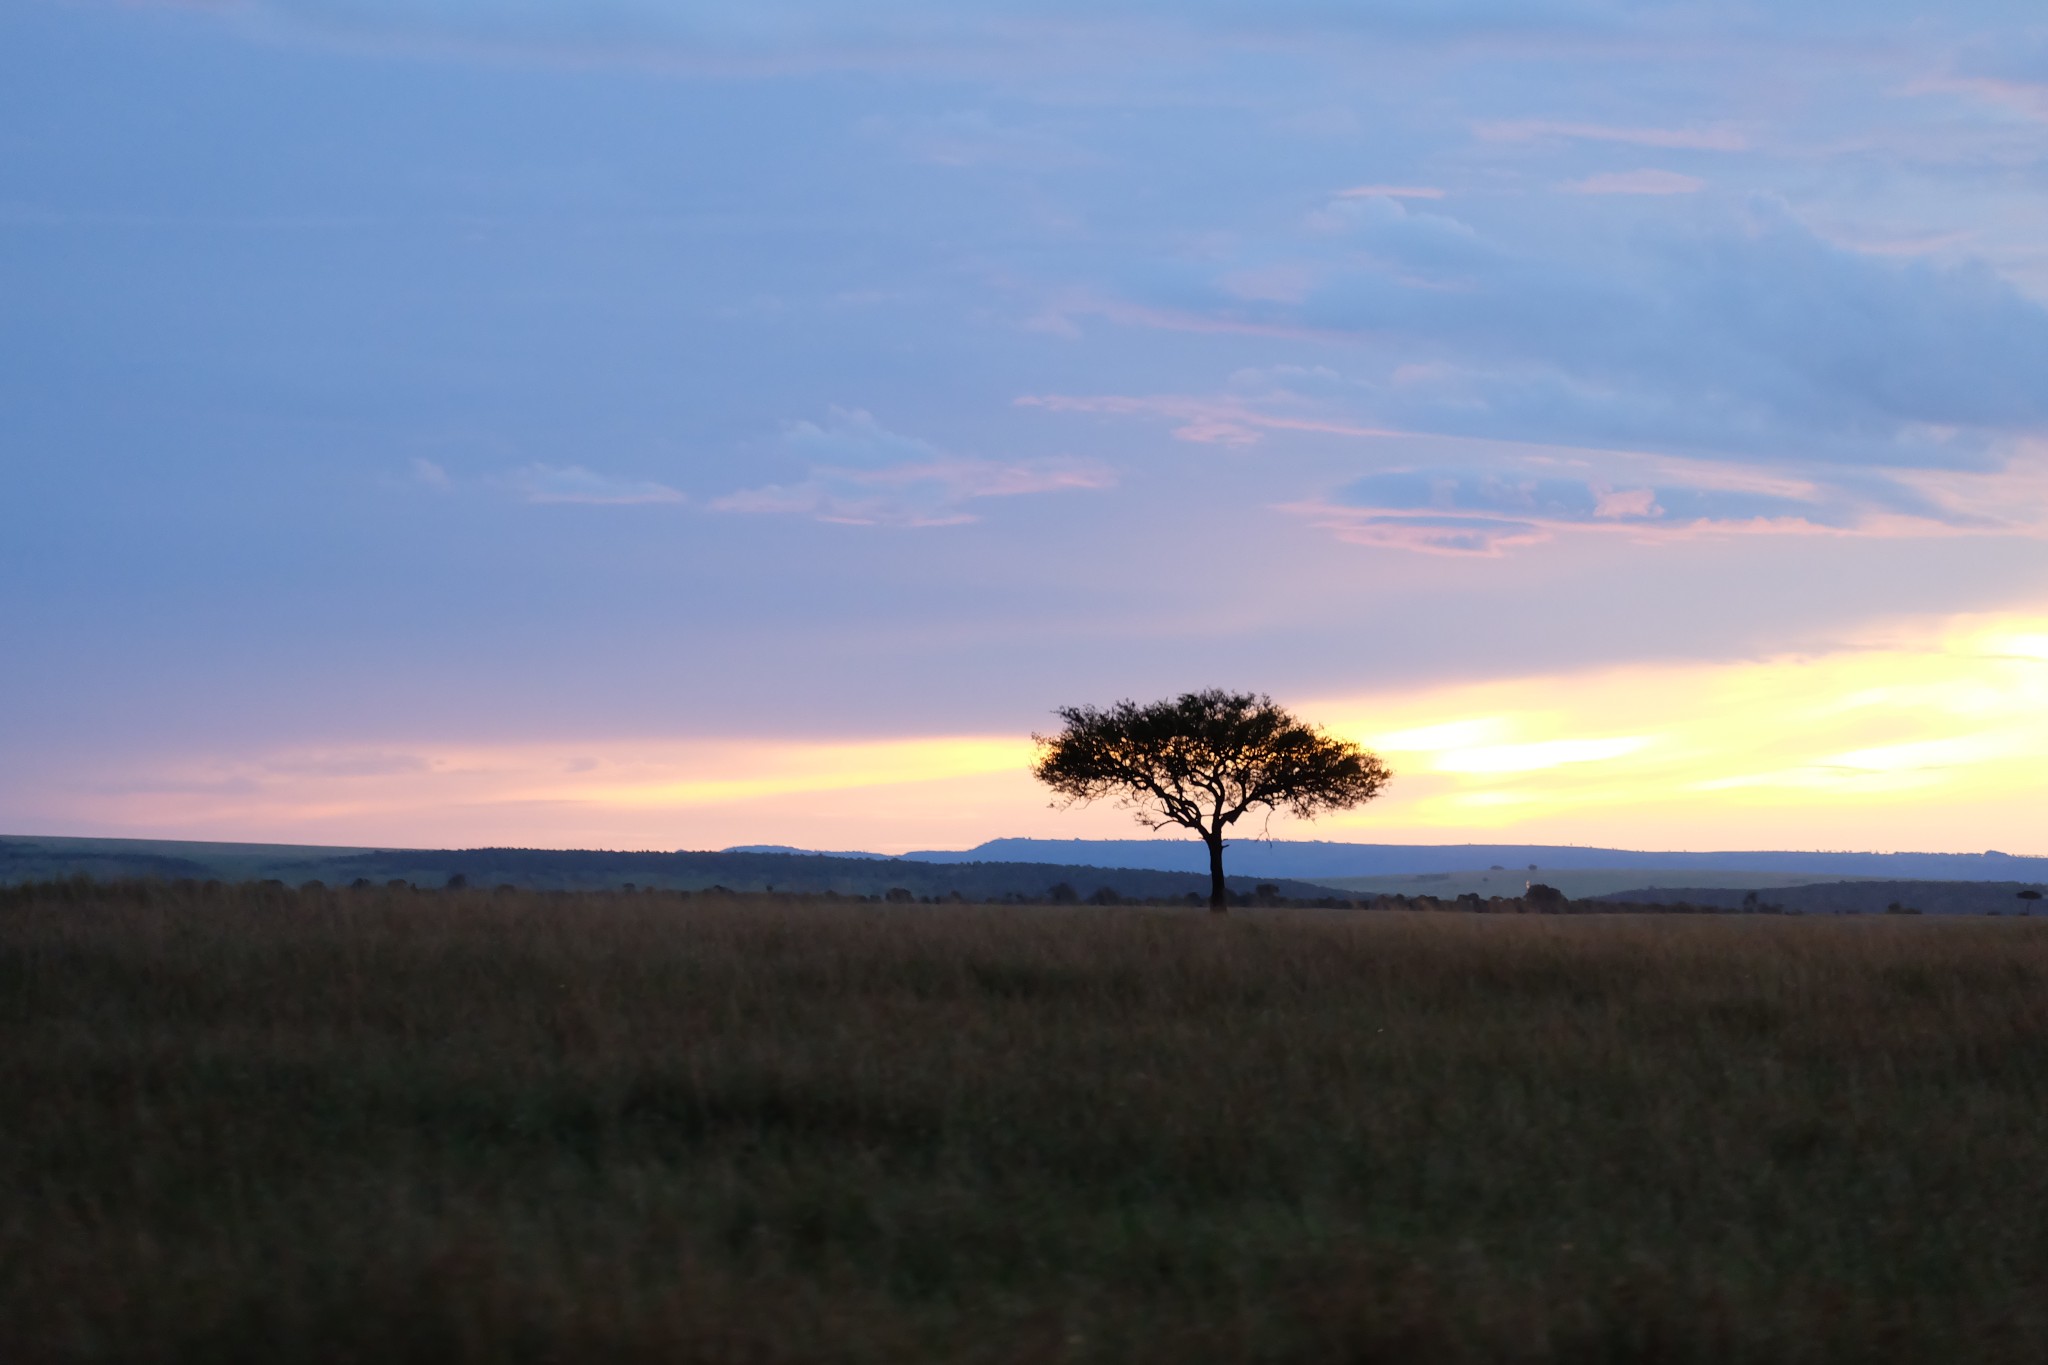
(1219, 894)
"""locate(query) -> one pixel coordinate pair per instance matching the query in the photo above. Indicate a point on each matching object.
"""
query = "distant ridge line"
(1311, 859)
(1316, 861)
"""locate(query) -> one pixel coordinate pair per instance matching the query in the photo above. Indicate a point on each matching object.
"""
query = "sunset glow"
(1899, 736)
(1921, 737)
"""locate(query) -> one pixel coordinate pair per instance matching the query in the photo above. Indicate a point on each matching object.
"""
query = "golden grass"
(246, 1123)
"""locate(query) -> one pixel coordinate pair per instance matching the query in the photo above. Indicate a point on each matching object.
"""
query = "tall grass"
(246, 1123)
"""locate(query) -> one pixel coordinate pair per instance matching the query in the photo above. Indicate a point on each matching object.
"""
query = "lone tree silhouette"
(1201, 761)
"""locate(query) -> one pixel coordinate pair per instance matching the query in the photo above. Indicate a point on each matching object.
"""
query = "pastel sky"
(641, 423)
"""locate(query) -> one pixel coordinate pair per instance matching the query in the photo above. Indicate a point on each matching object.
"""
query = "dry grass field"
(253, 1124)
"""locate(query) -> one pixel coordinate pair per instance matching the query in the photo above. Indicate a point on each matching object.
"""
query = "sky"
(650, 424)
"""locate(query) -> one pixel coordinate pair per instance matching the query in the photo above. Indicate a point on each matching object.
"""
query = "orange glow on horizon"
(1934, 738)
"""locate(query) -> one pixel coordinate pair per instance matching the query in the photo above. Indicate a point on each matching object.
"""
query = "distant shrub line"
(1538, 900)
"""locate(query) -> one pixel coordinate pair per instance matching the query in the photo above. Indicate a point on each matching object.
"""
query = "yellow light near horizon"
(1455, 734)
(1918, 738)
(2016, 645)
(1526, 758)
(775, 770)
(1930, 739)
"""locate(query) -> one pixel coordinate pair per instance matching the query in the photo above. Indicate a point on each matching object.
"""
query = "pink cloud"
(1421, 533)
(1205, 421)
(2021, 97)
(1631, 492)
(1626, 502)
(1488, 536)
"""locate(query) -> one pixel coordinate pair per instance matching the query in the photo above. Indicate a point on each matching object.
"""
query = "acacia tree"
(1202, 761)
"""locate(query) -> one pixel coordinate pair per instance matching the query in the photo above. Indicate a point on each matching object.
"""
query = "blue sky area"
(378, 376)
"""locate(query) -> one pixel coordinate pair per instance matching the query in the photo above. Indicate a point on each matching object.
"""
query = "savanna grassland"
(248, 1123)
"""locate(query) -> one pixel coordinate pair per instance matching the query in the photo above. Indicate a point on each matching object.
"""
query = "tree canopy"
(1202, 761)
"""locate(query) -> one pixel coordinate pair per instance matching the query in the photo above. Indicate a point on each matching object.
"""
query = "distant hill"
(1317, 860)
(1135, 868)
(29, 859)
(26, 858)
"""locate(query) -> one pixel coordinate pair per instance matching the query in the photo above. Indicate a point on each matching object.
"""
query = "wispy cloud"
(1720, 138)
(1204, 421)
(542, 483)
(1059, 316)
(861, 473)
(1458, 494)
(1489, 512)
(1636, 182)
(1515, 502)
(2024, 97)
(539, 482)
(1391, 192)
(1737, 335)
